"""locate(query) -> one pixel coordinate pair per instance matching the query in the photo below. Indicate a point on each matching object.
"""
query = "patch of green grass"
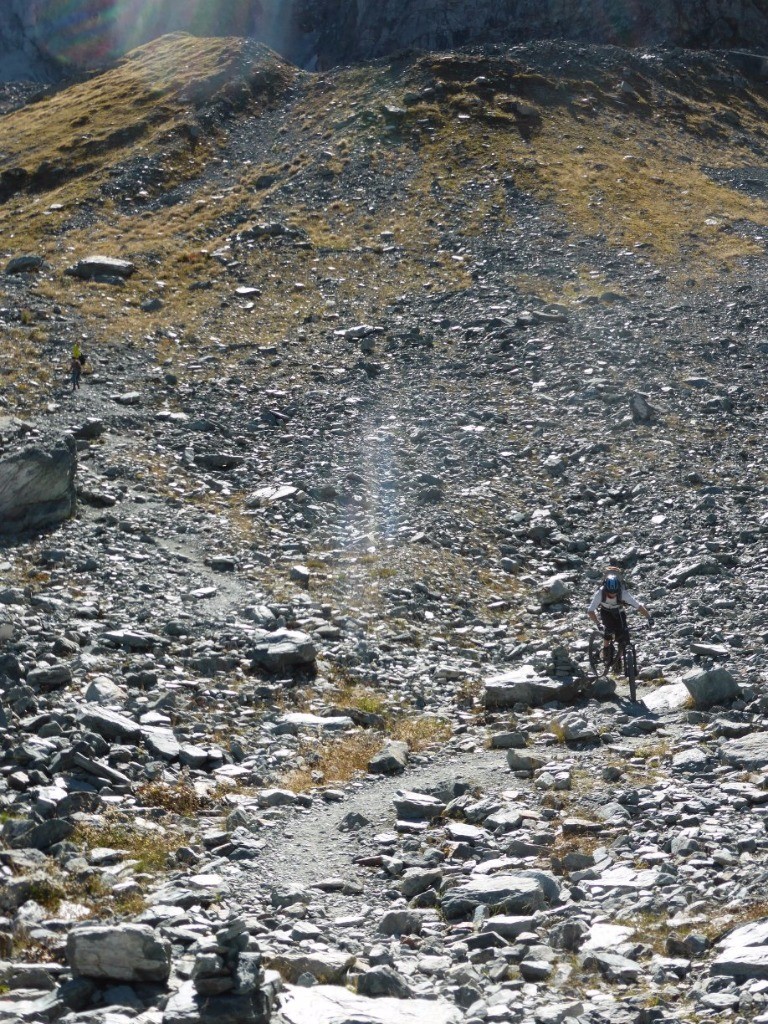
(48, 892)
(149, 848)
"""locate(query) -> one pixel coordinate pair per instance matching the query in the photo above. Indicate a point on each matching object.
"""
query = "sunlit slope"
(148, 100)
(378, 174)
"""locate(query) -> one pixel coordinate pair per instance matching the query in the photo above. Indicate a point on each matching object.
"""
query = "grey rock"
(553, 591)
(713, 686)
(613, 966)
(401, 922)
(327, 968)
(417, 880)
(23, 833)
(382, 981)
(101, 266)
(37, 486)
(110, 724)
(103, 690)
(333, 1005)
(510, 894)
(161, 742)
(742, 962)
(746, 752)
(23, 264)
(284, 650)
(525, 686)
(417, 806)
(52, 677)
(187, 1006)
(128, 952)
(524, 761)
(641, 409)
(391, 759)
(698, 567)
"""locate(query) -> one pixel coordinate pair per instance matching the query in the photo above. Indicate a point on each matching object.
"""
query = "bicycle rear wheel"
(630, 670)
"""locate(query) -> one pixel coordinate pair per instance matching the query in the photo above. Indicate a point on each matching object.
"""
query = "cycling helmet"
(612, 584)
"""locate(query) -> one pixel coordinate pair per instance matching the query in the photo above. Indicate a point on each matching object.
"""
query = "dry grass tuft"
(179, 797)
(422, 731)
(335, 762)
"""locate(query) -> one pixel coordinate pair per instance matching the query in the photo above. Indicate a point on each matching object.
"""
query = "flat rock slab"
(607, 936)
(742, 962)
(624, 879)
(524, 686)
(101, 266)
(126, 952)
(326, 1004)
(412, 806)
(509, 894)
(160, 742)
(131, 640)
(613, 967)
(300, 720)
(667, 698)
(327, 967)
(747, 752)
(110, 724)
(753, 934)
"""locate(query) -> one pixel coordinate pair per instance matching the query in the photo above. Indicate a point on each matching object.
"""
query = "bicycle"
(616, 656)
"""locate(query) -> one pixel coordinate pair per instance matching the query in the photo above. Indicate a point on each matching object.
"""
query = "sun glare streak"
(92, 32)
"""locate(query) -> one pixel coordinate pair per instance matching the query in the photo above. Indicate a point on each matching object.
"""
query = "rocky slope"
(385, 365)
(37, 37)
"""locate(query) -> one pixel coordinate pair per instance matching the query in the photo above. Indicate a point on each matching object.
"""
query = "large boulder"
(95, 267)
(283, 651)
(126, 952)
(711, 686)
(505, 894)
(525, 686)
(37, 486)
(746, 753)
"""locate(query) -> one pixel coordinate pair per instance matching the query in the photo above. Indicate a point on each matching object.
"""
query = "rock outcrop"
(37, 486)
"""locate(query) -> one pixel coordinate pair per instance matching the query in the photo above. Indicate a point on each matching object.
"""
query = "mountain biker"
(610, 599)
(75, 373)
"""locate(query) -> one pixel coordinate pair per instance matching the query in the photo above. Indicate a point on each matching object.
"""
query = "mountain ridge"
(39, 42)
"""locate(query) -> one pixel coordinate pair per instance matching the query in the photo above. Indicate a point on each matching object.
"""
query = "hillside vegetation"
(402, 356)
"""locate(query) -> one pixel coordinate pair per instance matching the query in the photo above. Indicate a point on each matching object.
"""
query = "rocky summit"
(379, 369)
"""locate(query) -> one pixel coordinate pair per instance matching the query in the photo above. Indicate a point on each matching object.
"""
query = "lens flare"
(87, 33)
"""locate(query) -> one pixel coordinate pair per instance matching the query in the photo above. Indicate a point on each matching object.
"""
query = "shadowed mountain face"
(38, 35)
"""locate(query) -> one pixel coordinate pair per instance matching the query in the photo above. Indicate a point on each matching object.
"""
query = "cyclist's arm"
(634, 603)
(594, 604)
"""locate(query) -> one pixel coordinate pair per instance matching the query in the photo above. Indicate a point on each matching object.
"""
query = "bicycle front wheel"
(600, 657)
(630, 670)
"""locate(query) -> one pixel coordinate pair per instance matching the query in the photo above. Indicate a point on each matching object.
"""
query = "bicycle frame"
(606, 653)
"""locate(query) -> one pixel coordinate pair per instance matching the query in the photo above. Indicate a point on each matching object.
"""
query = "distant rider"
(75, 372)
(610, 600)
